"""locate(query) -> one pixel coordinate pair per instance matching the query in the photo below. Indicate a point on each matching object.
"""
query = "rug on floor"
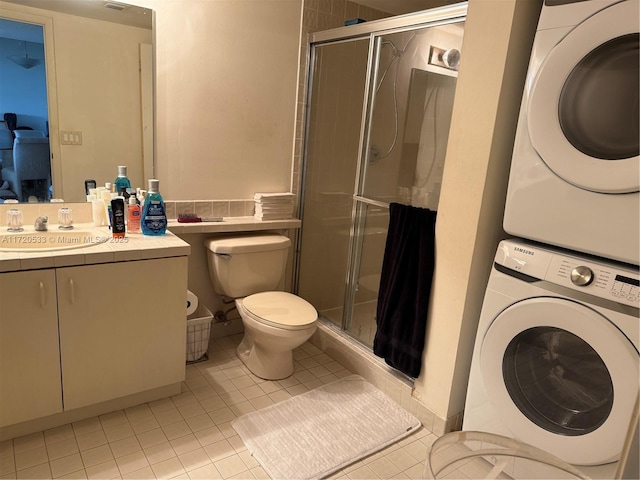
(321, 431)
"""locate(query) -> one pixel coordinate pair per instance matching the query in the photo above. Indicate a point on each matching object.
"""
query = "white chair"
(30, 172)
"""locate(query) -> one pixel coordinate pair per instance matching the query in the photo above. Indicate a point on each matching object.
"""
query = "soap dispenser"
(154, 216)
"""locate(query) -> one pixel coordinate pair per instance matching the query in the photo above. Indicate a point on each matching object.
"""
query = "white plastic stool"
(492, 454)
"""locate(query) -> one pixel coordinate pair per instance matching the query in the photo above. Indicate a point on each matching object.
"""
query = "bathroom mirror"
(99, 82)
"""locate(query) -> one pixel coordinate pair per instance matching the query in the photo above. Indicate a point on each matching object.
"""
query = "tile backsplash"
(82, 211)
(210, 208)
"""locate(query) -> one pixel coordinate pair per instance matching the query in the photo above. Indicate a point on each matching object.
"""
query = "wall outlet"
(68, 137)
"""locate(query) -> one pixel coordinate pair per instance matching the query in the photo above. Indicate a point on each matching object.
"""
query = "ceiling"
(400, 7)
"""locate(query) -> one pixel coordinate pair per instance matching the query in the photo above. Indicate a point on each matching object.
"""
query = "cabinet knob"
(42, 297)
(72, 291)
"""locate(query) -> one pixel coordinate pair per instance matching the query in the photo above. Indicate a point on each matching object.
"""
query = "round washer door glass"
(582, 108)
(558, 380)
(563, 377)
(598, 107)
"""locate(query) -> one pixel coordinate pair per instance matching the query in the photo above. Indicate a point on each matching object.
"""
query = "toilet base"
(279, 366)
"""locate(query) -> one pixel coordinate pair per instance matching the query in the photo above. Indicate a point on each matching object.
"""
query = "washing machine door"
(583, 105)
(563, 377)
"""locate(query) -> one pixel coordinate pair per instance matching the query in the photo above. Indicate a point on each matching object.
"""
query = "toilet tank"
(242, 265)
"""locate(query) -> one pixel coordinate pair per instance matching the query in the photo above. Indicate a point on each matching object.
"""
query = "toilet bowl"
(275, 323)
(249, 268)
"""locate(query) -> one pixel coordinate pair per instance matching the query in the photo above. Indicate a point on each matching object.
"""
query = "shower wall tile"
(320, 15)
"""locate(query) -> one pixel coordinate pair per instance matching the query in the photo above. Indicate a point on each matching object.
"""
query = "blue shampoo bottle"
(122, 180)
(154, 215)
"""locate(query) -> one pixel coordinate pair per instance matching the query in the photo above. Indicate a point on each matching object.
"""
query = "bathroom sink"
(50, 240)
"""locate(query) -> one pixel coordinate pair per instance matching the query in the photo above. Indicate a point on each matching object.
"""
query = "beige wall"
(469, 222)
(226, 95)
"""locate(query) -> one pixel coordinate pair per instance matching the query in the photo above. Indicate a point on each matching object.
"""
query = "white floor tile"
(159, 453)
(168, 468)
(132, 462)
(190, 435)
(205, 473)
(106, 470)
(96, 456)
(62, 448)
(126, 446)
(66, 465)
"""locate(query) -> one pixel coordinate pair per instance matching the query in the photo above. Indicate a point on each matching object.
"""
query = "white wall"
(469, 225)
(226, 96)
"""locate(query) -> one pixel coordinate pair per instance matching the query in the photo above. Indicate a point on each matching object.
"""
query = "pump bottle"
(154, 216)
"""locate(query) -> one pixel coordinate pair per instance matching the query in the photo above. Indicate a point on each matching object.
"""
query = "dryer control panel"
(609, 280)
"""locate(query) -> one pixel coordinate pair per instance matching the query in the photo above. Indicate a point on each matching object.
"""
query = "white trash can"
(198, 330)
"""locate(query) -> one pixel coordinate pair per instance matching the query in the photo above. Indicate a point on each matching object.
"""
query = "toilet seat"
(280, 309)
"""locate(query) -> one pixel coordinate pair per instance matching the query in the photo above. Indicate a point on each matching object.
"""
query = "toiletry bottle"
(134, 215)
(154, 217)
(122, 180)
(118, 228)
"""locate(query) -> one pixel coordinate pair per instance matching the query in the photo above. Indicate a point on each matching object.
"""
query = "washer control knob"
(582, 276)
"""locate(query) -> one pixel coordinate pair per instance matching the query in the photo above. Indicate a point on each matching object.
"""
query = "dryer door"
(563, 377)
(583, 105)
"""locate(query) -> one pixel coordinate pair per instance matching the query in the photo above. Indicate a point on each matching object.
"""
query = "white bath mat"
(321, 431)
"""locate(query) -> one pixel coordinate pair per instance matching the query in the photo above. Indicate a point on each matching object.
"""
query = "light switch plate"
(68, 137)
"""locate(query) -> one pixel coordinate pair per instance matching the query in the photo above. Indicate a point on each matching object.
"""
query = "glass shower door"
(377, 129)
(334, 122)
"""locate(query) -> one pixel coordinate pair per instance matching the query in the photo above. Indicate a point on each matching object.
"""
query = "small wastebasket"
(198, 330)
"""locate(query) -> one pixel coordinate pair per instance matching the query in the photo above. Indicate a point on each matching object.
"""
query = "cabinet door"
(29, 353)
(122, 328)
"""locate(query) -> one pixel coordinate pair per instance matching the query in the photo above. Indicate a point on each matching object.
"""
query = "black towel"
(405, 288)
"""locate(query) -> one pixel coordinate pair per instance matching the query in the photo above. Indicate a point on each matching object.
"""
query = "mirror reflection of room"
(90, 94)
(24, 137)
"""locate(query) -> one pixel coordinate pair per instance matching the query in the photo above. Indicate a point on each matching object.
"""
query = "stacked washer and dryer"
(556, 362)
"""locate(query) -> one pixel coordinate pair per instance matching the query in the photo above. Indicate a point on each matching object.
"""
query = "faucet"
(41, 224)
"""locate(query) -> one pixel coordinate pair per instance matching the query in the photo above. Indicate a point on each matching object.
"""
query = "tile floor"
(189, 436)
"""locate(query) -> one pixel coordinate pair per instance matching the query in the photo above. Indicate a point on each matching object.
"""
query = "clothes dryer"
(556, 363)
(575, 173)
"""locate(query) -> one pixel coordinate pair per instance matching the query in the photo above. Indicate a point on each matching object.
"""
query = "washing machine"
(556, 362)
(575, 172)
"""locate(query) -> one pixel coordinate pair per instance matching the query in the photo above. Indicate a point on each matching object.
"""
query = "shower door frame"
(374, 30)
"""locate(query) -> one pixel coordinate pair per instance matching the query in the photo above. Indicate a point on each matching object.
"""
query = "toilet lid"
(280, 309)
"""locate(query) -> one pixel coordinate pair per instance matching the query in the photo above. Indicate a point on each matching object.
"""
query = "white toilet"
(248, 268)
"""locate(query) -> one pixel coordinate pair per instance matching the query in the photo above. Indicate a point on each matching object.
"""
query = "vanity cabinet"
(122, 328)
(29, 354)
(77, 336)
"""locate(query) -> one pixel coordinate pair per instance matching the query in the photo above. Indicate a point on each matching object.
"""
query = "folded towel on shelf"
(274, 206)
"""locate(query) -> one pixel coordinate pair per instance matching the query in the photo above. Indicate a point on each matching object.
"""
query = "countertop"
(134, 246)
(233, 224)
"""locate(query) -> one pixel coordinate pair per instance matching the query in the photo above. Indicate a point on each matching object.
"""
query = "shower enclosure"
(380, 97)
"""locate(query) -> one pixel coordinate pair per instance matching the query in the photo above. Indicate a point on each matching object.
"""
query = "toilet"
(249, 269)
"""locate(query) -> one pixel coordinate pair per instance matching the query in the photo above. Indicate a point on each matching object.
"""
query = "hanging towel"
(405, 287)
